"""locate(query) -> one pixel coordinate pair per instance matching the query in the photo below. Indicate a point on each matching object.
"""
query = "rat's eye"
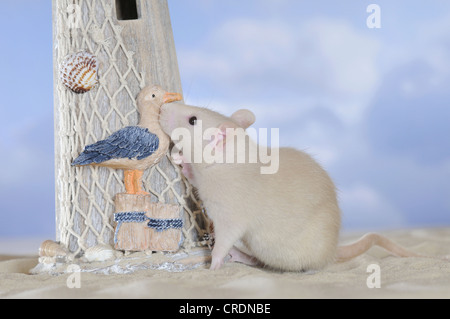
(153, 95)
(193, 120)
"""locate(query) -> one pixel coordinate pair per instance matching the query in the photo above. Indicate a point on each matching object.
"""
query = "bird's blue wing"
(132, 142)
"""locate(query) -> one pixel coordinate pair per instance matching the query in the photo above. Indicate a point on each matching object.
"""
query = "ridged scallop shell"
(100, 253)
(49, 248)
(79, 72)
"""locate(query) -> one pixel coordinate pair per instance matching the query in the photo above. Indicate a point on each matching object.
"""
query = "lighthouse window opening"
(127, 10)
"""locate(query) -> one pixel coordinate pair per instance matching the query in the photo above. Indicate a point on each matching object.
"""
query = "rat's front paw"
(177, 158)
(216, 264)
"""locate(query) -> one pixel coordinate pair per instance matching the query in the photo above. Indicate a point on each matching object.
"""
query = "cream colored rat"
(287, 220)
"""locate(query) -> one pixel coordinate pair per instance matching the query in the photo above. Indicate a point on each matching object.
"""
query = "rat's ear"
(244, 118)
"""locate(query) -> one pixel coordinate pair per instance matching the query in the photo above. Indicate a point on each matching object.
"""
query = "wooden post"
(132, 53)
(137, 236)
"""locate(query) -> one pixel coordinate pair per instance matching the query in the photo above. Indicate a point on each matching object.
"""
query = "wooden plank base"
(138, 236)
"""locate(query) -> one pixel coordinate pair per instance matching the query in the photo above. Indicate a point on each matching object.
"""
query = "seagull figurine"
(134, 148)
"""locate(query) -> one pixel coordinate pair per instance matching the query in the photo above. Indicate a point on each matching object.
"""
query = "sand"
(400, 277)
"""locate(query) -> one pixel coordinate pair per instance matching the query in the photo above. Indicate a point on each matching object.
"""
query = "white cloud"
(28, 154)
(283, 71)
(320, 60)
(349, 54)
(365, 207)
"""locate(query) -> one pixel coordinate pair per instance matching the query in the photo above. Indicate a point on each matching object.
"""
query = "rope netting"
(85, 195)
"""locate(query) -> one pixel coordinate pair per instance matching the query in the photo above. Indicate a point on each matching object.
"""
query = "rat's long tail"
(366, 242)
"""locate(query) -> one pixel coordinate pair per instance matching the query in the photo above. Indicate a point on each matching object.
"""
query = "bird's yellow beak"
(172, 97)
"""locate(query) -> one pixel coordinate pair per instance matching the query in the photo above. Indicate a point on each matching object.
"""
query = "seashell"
(49, 248)
(100, 253)
(79, 72)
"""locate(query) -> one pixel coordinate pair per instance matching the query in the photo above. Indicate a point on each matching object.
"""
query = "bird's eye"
(153, 95)
(193, 120)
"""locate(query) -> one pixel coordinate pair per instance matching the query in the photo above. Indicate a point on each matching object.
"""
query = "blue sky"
(372, 105)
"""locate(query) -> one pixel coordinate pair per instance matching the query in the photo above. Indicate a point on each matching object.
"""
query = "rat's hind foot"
(240, 257)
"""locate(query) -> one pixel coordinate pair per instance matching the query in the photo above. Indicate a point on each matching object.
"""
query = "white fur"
(288, 221)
